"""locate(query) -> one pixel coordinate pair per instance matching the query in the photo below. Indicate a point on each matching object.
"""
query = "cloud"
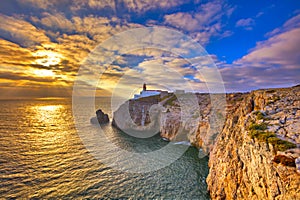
(14, 53)
(137, 6)
(294, 22)
(259, 14)
(207, 14)
(281, 49)
(204, 23)
(21, 32)
(143, 6)
(73, 28)
(247, 23)
(108, 7)
(44, 4)
(56, 22)
(68, 31)
(274, 62)
(33, 90)
(24, 77)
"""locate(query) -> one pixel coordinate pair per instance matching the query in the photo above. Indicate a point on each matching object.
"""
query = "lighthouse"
(148, 93)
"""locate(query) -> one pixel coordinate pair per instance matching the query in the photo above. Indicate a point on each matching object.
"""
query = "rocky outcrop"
(139, 117)
(100, 118)
(254, 154)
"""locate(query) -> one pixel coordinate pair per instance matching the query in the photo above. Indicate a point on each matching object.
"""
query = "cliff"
(253, 147)
(254, 155)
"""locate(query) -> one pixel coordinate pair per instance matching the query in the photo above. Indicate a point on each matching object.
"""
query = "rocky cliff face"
(253, 154)
(139, 118)
(253, 157)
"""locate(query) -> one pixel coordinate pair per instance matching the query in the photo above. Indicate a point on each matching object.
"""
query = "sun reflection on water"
(48, 122)
(52, 108)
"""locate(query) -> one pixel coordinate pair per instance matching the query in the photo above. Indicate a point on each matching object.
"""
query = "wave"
(183, 143)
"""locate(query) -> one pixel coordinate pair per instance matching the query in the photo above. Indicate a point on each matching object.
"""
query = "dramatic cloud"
(204, 23)
(281, 49)
(44, 43)
(107, 6)
(22, 76)
(21, 32)
(57, 22)
(44, 4)
(273, 62)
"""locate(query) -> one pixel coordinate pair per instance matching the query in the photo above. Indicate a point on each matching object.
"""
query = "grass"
(261, 127)
(281, 145)
(261, 136)
(258, 131)
(165, 97)
(171, 100)
(259, 115)
(155, 98)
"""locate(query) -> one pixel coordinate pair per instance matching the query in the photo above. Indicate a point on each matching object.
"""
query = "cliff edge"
(255, 155)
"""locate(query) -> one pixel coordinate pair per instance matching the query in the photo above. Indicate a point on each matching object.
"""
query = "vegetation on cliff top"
(171, 100)
(259, 115)
(155, 98)
(259, 132)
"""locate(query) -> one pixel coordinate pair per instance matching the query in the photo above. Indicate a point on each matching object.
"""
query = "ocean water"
(43, 157)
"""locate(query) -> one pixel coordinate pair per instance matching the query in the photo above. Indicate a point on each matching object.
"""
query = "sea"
(42, 156)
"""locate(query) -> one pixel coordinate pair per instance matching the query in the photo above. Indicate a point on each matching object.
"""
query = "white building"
(147, 93)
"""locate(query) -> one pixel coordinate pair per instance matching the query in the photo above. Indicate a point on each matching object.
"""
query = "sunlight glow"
(51, 108)
(47, 57)
(43, 72)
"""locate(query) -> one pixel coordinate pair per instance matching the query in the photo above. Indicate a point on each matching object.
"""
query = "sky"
(44, 44)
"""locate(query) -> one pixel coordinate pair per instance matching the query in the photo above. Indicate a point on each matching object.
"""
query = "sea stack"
(100, 118)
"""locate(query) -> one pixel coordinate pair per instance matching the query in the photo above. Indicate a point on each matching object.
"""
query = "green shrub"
(171, 100)
(261, 136)
(258, 131)
(275, 98)
(254, 133)
(263, 126)
(165, 97)
(259, 115)
(281, 145)
(264, 136)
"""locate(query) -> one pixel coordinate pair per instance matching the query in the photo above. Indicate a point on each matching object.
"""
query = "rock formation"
(100, 118)
(254, 154)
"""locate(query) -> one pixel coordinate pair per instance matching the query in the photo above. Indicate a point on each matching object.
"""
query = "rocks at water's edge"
(100, 118)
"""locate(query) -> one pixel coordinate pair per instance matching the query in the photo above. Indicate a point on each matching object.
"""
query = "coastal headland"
(254, 150)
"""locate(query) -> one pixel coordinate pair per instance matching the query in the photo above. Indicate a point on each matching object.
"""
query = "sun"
(43, 72)
(47, 57)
